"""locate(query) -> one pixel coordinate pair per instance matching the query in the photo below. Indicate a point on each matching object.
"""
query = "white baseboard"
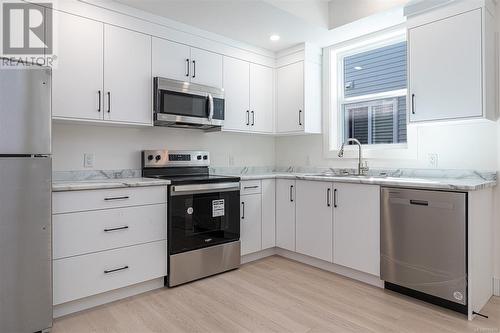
(258, 255)
(107, 297)
(496, 286)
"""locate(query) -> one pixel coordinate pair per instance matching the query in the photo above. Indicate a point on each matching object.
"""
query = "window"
(372, 92)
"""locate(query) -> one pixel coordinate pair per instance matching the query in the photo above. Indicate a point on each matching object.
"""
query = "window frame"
(334, 98)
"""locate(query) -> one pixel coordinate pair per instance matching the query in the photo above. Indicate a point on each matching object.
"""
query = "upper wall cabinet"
(103, 73)
(451, 63)
(248, 92)
(181, 62)
(127, 75)
(77, 81)
(299, 92)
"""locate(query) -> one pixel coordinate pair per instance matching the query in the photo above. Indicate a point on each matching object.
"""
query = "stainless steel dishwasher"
(423, 245)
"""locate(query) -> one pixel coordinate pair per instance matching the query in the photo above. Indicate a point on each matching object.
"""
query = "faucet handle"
(364, 167)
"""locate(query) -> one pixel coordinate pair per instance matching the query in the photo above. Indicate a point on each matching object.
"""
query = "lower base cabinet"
(251, 223)
(356, 227)
(314, 219)
(285, 214)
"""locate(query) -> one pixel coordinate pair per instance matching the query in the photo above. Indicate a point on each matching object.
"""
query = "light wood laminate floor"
(275, 295)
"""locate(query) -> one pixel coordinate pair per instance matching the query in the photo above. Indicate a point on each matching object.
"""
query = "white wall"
(119, 148)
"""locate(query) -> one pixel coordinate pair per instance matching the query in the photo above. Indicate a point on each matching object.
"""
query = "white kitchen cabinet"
(127, 76)
(298, 98)
(356, 227)
(248, 91)
(236, 94)
(170, 59)
(251, 223)
(285, 214)
(450, 65)
(268, 213)
(77, 78)
(206, 68)
(314, 219)
(261, 99)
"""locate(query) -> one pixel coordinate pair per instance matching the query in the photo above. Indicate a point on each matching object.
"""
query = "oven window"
(204, 219)
(183, 104)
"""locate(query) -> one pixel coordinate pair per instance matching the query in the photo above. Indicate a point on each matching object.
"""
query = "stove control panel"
(170, 158)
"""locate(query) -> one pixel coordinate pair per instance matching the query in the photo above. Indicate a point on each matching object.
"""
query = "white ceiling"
(249, 21)
(253, 21)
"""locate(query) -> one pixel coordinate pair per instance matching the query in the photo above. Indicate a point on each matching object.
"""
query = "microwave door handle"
(210, 107)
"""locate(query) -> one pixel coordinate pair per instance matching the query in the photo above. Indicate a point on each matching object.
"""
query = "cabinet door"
(356, 227)
(251, 224)
(290, 98)
(285, 214)
(261, 99)
(445, 68)
(77, 78)
(314, 219)
(127, 76)
(170, 60)
(268, 213)
(206, 68)
(236, 94)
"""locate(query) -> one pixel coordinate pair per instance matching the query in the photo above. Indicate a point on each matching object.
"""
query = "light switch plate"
(88, 160)
(433, 160)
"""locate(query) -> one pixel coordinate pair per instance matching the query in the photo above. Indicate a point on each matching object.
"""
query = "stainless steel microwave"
(187, 105)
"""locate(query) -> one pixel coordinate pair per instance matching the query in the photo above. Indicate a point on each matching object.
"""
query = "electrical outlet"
(433, 160)
(88, 160)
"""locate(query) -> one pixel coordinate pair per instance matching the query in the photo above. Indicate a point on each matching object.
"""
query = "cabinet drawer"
(250, 187)
(91, 274)
(99, 230)
(77, 201)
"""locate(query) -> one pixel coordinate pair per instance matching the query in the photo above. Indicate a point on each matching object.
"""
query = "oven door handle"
(204, 188)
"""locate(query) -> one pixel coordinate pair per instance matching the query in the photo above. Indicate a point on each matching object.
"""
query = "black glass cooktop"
(197, 179)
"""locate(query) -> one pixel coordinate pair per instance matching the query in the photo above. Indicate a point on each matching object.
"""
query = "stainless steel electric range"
(203, 214)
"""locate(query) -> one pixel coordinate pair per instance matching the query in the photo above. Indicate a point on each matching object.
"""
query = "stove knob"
(150, 157)
(198, 157)
(205, 157)
(158, 157)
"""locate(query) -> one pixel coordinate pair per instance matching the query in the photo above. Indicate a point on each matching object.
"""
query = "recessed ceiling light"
(274, 38)
(358, 68)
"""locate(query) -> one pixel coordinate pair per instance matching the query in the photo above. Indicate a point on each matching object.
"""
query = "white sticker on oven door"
(217, 208)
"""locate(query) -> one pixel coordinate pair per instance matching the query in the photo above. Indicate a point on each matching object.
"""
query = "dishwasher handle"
(419, 202)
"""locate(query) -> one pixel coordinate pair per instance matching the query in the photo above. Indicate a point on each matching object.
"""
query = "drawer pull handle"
(115, 270)
(117, 198)
(116, 229)
(250, 187)
(419, 202)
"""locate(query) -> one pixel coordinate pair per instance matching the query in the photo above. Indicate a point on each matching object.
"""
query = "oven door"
(202, 215)
(177, 102)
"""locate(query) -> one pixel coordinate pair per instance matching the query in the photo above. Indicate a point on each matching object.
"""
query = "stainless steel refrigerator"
(25, 198)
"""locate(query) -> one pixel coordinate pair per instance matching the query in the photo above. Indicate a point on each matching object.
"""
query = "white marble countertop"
(451, 184)
(79, 185)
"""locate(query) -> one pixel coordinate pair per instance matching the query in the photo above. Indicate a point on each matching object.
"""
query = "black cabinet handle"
(328, 197)
(413, 111)
(116, 229)
(194, 69)
(249, 187)
(117, 198)
(291, 193)
(187, 67)
(253, 118)
(115, 270)
(243, 211)
(300, 118)
(109, 101)
(419, 202)
(99, 101)
(248, 117)
(335, 198)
